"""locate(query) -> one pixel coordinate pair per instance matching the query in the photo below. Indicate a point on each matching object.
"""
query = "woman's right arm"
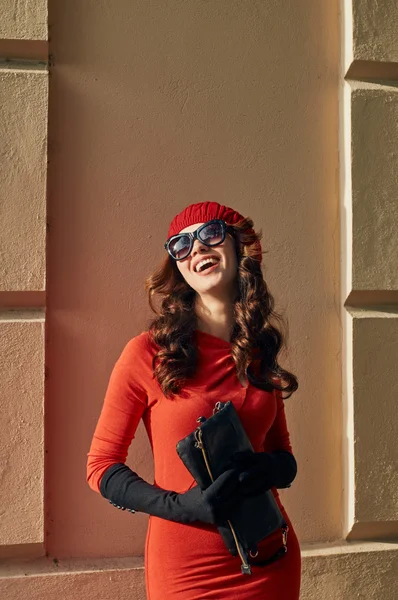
(124, 405)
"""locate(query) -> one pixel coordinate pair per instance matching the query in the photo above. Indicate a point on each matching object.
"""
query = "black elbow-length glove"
(259, 471)
(127, 490)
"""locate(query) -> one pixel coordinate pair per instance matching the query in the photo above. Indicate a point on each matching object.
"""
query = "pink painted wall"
(153, 106)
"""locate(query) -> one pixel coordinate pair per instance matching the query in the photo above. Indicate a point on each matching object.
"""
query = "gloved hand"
(259, 471)
(214, 504)
(126, 489)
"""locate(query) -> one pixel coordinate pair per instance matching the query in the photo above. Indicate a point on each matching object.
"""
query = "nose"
(198, 247)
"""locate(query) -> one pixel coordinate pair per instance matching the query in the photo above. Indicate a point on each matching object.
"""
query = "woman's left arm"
(275, 466)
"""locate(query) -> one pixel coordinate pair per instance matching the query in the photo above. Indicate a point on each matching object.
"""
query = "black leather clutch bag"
(206, 452)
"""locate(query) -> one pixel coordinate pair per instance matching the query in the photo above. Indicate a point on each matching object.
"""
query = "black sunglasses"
(211, 233)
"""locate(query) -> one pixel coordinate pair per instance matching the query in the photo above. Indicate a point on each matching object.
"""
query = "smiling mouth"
(206, 263)
(208, 269)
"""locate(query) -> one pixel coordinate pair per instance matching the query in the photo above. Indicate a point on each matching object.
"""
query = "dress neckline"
(209, 338)
(216, 342)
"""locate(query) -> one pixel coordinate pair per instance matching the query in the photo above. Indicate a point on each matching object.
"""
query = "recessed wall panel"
(23, 172)
(375, 30)
(374, 168)
(22, 430)
(375, 376)
(23, 19)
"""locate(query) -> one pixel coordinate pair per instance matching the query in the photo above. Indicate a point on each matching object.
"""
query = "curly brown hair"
(255, 328)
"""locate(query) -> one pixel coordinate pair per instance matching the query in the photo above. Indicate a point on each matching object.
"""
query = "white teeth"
(205, 261)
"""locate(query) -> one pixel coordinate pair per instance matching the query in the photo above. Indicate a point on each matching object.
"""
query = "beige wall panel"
(21, 425)
(360, 571)
(375, 30)
(375, 374)
(374, 131)
(23, 168)
(23, 19)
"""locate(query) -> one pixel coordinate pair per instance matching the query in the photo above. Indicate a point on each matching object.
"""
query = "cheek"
(183, 270)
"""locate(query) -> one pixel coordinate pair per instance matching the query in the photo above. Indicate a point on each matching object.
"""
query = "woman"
(213, 339)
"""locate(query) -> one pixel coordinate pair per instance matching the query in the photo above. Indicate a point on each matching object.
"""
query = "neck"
(215, 316)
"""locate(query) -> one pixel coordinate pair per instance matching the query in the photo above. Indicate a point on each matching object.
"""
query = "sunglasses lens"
(179, 247)
(212, 234)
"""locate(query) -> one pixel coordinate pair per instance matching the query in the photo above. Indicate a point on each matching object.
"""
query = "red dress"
(186, 561)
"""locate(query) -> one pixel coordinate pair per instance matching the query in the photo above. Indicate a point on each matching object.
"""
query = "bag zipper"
(245, 567)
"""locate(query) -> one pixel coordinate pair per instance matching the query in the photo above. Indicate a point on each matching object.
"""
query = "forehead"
(191, 227)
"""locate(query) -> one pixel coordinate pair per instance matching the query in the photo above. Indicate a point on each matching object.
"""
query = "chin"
(219, 285)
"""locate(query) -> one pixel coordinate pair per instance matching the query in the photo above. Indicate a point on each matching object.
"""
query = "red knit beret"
(205, 211)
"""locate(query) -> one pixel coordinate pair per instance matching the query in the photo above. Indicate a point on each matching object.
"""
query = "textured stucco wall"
(23, 19)
(375, 408)
(22, 427)
(374, 126)
(375, 26)
(23, 174)
(369, 225)
(155, 105)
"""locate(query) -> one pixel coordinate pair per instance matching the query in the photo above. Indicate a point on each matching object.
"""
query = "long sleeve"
(282, 464)
(277, 437)
(124, 405)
